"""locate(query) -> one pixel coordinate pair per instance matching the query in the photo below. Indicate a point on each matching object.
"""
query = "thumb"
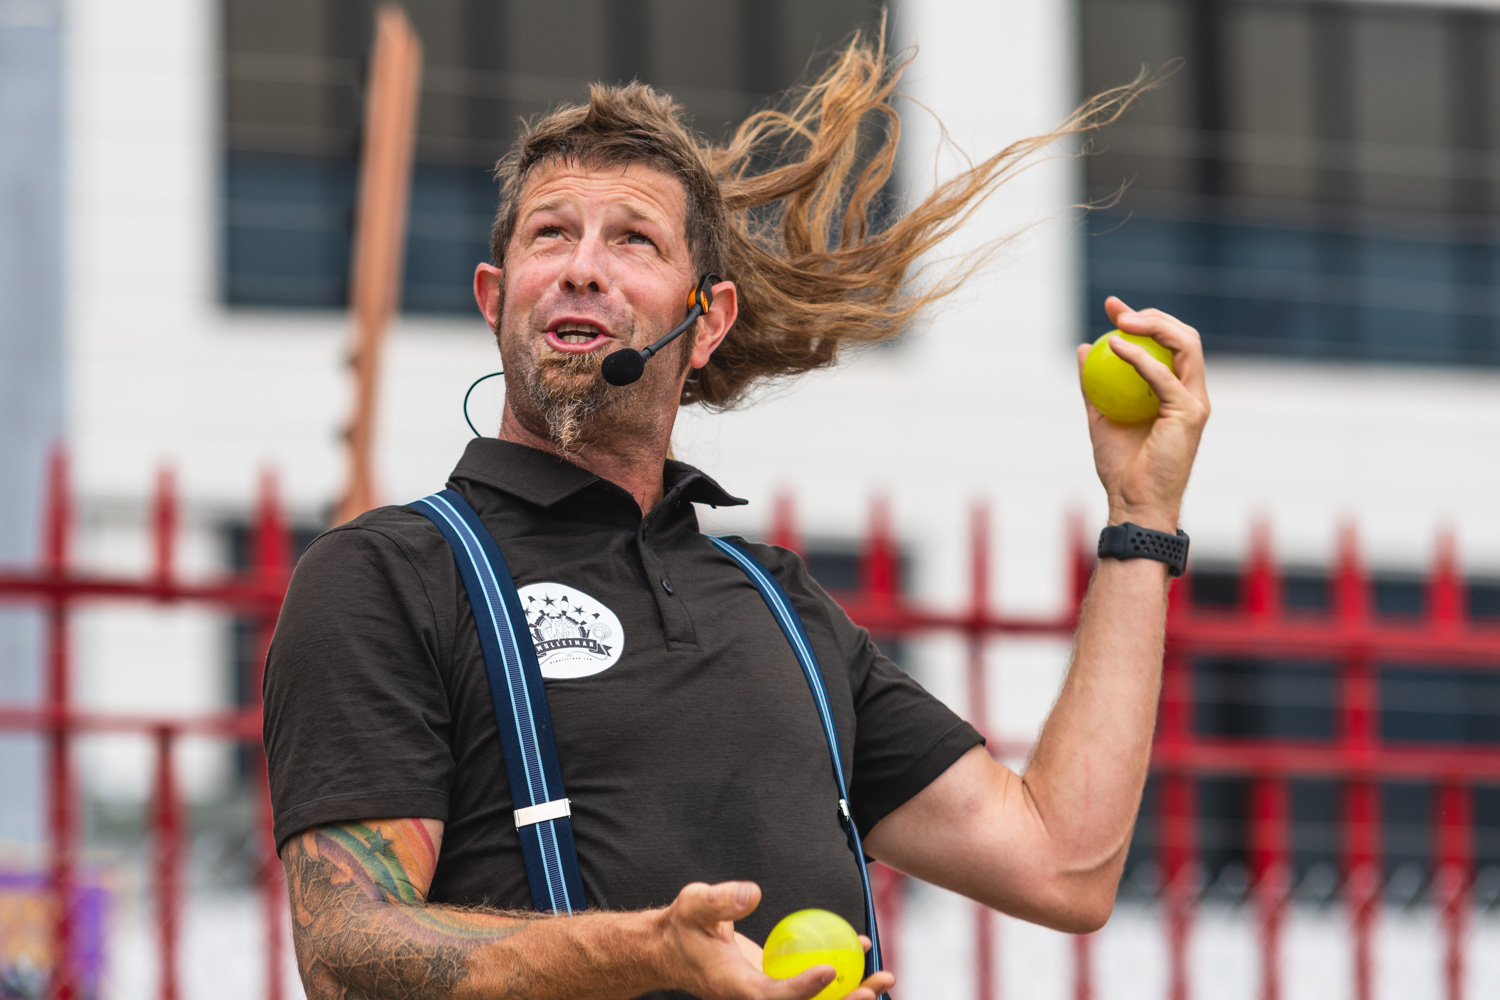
(707, 905)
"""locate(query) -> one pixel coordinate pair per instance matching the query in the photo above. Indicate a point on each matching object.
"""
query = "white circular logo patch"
(574, 635)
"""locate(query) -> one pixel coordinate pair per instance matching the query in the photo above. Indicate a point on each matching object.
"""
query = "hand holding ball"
(1114, 387)
(816, 937)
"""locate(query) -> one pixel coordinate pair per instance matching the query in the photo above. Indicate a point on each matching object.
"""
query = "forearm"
(400, 951)
(357, 938)
(1089, 767)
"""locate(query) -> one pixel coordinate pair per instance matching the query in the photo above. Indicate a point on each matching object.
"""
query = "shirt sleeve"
(357, 716)
(904, 736)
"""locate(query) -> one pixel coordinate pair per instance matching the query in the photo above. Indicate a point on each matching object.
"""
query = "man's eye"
(640, 239)
(548, 232)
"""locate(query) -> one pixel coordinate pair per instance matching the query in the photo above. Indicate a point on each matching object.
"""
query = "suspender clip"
(543, 811)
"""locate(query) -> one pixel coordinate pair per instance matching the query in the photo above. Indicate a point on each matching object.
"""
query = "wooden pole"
(390, 127)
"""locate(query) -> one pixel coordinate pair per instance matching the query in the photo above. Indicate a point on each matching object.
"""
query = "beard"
(567, 400)
(568, 393)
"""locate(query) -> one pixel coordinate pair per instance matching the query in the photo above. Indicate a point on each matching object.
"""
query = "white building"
(979, 402)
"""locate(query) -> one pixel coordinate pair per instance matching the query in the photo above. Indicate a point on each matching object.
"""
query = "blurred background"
(1316, 188)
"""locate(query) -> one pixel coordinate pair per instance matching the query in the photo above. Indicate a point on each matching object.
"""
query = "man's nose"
(587, 269)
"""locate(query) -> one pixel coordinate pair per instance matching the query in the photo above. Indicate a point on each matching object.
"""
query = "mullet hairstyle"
(791, 208)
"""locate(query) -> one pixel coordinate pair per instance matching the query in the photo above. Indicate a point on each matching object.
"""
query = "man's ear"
(714, 324)
(487, 285)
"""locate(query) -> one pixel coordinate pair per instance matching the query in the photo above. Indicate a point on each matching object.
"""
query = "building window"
(1241, 697)
(293, 72)
(1317, 181)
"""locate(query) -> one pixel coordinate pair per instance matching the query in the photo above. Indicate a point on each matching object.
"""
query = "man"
(697, 771)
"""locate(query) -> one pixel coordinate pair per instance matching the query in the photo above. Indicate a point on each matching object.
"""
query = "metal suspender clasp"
(847, 819)
(543, 811)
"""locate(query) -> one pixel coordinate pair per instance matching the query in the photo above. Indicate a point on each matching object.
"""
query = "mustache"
(571, 364)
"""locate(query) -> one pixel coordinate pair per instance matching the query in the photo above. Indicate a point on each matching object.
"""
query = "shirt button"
(666, 585)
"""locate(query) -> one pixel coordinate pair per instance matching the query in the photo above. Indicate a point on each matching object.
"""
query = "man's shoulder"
(789, 568)
(378, 535)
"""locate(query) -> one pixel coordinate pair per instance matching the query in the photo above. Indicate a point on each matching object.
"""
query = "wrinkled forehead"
(633, 186)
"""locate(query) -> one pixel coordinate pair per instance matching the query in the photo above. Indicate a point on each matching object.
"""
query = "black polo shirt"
(689, 741)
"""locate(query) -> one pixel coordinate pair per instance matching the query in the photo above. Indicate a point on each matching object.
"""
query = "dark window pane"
(294, 77)
(1407, 807)
(1486, 825)
(1484, 599)
(1440, 706)
(1263, 698)
(1215, 588)
(1317, 806)
(1223, 822)
(1306, 590)
(1400, 595)
(1314, 182)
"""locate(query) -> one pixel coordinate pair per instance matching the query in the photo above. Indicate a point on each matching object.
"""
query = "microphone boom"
(627, 365)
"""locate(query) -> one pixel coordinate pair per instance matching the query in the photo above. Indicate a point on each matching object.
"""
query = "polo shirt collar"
(542, 478)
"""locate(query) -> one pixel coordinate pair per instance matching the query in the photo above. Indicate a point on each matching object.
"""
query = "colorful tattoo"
(360, 919)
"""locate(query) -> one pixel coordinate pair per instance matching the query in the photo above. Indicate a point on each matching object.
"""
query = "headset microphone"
(628, 364)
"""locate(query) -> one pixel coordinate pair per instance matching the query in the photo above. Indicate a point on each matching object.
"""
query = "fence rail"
(1260, 626)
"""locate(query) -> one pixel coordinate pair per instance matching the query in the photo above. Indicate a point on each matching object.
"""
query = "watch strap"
(1131, 541)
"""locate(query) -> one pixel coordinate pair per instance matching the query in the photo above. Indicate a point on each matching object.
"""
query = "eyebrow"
(551, 203)
(630, 210)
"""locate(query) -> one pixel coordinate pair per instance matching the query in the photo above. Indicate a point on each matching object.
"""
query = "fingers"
(707, 905)
(1168, 388)
(802, 986)
(1182, 340)
(874, 987)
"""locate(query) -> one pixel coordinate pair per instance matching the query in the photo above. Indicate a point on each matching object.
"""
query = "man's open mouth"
(576, 337)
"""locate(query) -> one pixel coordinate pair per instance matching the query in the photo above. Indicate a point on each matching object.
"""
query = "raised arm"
(1049, 845)
(364, 929)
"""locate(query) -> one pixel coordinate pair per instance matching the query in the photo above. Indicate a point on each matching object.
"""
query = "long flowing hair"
(793, 207)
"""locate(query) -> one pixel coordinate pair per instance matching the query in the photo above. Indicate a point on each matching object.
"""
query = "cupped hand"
(710, 960)
(1145, 467)
(872, 988)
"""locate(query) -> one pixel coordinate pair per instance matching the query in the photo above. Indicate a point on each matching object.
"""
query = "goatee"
(568, 390)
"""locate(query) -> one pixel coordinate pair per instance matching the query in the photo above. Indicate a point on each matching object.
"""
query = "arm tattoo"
(360, 920)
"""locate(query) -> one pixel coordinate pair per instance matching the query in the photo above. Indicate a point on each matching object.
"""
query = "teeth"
(575, 338)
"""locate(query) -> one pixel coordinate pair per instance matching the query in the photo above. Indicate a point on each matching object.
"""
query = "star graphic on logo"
(379, 844)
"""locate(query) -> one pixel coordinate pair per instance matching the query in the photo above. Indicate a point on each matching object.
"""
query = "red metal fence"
(60, 589)
(1349, 635)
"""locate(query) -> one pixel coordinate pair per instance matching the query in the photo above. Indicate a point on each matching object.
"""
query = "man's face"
(599, 261)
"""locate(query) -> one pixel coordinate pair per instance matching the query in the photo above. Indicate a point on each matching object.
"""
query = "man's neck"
(632, 461)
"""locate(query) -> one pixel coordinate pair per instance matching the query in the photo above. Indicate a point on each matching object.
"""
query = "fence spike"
(1081, 561)
(1263, 592)
(879, 571)
(1351, 584)
(979, 560)
(164, 526)
(57, 512)
(271, 547)
(784, 523)
(1446, 597)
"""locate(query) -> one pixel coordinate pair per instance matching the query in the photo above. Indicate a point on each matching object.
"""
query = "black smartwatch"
(1131, 541)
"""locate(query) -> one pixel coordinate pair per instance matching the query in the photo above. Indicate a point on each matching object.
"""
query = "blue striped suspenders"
(536, 787)
(791, 625)
(531, 765)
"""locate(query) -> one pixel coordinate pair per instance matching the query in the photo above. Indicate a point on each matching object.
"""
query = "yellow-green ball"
(816, 937)
(1115, 388)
